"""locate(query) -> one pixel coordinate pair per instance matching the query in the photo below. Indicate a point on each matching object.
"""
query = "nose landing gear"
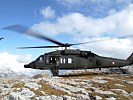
(55, 71)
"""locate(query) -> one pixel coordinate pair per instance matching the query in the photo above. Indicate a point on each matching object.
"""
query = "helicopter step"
(55, 71)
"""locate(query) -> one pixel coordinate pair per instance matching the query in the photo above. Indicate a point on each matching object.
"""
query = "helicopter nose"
(26, 66)
(30, 65)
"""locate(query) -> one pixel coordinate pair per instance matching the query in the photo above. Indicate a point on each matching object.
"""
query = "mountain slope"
(78, 85)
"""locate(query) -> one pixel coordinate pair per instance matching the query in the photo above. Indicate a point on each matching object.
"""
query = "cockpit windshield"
(40, 58)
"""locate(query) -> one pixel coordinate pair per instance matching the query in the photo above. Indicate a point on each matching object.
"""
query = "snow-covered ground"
(86, 86)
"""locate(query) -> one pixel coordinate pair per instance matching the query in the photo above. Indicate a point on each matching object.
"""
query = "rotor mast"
(66, 45)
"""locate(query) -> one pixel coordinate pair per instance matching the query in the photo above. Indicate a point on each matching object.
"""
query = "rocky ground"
(76, 85)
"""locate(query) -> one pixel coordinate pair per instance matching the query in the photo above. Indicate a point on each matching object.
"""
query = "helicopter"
(68, 59)
(1, 38)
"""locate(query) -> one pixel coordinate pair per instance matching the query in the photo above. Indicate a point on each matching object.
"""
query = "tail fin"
(130, 59)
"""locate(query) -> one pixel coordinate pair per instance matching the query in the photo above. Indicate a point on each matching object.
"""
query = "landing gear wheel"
(55, 72)
(124, 72)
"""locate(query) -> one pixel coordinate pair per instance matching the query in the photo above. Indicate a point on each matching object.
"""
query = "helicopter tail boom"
(130, 59)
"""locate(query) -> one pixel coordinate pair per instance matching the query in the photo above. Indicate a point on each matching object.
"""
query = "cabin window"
(51, 59)
(69, 60)
(66, 60)
(47, 60)
(61, 60)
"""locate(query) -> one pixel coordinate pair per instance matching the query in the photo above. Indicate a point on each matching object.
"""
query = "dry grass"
(18, 85)
(112, 80)
(80, 74)
(48, 89)
(117, 79)
(119, 97)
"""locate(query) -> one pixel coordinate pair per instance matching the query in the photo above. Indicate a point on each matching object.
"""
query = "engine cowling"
(71, 52)
(83, 53)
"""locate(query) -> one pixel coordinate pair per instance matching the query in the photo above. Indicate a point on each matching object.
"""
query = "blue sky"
(29, 13)
(19, 12)
(69, 21)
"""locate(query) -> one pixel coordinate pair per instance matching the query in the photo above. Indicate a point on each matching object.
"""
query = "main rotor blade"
(31, 32)
(122, 37)
(90, 42)
(38, 47)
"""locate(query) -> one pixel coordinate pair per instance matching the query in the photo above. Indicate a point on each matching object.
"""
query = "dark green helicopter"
(68, 59)
(1, 38)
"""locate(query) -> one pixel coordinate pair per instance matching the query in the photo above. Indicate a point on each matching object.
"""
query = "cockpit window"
(40, 58)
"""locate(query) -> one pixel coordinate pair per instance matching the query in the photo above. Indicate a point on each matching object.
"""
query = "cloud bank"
(75, 23)
(15, 63)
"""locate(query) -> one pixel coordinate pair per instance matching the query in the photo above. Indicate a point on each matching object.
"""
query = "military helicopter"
(68, 59)
(1, 38)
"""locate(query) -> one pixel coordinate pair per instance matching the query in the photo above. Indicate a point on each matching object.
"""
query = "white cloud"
(48, 12)
(15, 63)
(74, 23)
(24, 58)
(117, 48)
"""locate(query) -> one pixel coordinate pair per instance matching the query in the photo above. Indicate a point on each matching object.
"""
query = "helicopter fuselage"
(74, 60)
